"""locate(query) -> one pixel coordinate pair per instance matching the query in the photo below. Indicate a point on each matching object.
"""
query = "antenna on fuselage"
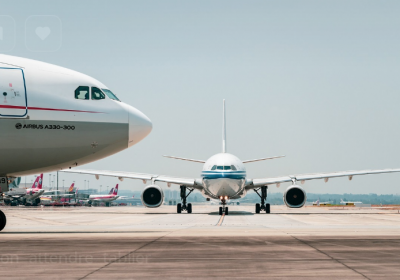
(223, 128)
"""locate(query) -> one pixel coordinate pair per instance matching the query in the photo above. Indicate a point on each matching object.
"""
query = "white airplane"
(350, 202)
(96, 199)
(53, 118)
(224, 177)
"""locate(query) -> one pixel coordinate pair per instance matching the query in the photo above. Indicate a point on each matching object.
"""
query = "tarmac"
(140, 243)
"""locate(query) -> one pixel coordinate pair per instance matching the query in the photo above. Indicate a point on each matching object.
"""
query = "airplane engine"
(295, 196)
(152, 196)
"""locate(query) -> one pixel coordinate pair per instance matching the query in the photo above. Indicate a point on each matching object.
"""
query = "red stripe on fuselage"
(44, 109)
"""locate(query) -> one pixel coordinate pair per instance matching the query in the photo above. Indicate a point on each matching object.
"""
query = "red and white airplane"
(107, 198)
(27, 197)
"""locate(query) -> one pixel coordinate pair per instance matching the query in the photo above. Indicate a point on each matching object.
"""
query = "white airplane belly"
(223, 187)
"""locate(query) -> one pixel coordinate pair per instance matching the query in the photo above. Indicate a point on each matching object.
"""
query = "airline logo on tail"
(71, 188)
(38, 182)
(115, 190)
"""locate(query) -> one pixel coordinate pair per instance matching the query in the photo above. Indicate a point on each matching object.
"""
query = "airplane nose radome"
(139, 126)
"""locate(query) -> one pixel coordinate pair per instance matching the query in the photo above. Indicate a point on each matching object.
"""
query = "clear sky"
(317, 81)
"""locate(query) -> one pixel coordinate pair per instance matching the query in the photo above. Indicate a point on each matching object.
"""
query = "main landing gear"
(223, 209)
(264, 206)
(182, 206)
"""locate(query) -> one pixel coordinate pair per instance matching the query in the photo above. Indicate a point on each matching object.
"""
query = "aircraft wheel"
(179, 208)
(267, 208)
(258, 208)
(7, 201)
(220, 211)
(226, 211)
(37, 201)
(189, 208)
(3, 220)
(14, 203)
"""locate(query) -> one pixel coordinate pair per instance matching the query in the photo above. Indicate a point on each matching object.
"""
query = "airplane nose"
(139, 126)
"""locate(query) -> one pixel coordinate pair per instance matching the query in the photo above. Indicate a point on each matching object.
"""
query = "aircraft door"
(13, 99)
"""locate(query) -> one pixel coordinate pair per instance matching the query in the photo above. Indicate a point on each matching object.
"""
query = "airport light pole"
(57, 180)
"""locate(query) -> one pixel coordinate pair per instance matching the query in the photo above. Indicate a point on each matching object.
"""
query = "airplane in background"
(107, 198)
(27, 197)
(53, 118)
(224, 177)
(350, 202)
(318, 203)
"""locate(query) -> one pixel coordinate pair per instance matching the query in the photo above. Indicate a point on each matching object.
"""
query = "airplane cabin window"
(110, 94)
(227, 167)
(214, 167)
(233, 167)
(82, 92)
(97, 94)
(220, 167)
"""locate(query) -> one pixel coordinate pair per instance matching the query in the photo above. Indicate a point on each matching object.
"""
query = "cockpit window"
(82, 92)
(233, 167)
(110, 94)
(214, 167)
(97, 94)
(227, 167)
(220, 168)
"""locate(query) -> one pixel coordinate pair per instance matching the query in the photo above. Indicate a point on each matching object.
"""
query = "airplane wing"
(190, 182)
(255, 183)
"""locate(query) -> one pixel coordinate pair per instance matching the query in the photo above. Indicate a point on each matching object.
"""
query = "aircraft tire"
(226, 211)
(179, 208)
(7, 202)
(220, 211)
(37, 201)
(258, 208)
(3, 220)
(189, 208)
(14, 203)
(267, 208)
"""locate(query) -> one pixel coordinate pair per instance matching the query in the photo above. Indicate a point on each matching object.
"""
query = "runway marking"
(332, 258)
(221, 220)
(124, 256)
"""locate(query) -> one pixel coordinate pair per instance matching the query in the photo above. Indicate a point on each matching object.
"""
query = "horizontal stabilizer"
(253, 160)
(187, 159)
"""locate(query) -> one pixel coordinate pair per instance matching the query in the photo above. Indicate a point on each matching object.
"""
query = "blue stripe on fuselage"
(223, 174)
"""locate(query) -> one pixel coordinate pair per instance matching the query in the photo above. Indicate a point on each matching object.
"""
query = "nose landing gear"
(183, 206)
(263, 206)
(223, 209)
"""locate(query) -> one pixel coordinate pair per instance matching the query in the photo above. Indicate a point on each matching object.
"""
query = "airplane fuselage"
(224, 175)
(54, 118)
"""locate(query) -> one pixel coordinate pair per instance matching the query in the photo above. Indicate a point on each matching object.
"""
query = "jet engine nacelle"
(152, 196)
(295, 196)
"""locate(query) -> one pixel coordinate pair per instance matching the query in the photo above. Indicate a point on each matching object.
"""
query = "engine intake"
(295, 196)
(152, 196)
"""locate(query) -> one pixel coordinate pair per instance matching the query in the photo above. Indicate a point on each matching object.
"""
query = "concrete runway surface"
(138, 243)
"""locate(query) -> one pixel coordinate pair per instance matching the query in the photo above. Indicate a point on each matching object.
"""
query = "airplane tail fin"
(111, 191)
(38, 182)
(223, 128)
(76, 191)
(71, 188)
(115, 190)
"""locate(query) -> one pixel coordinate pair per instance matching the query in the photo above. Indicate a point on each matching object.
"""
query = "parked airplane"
(53, 118)
(27, 197)
(318, 203)
(224, 177)
(350, 202)
(107, 198)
